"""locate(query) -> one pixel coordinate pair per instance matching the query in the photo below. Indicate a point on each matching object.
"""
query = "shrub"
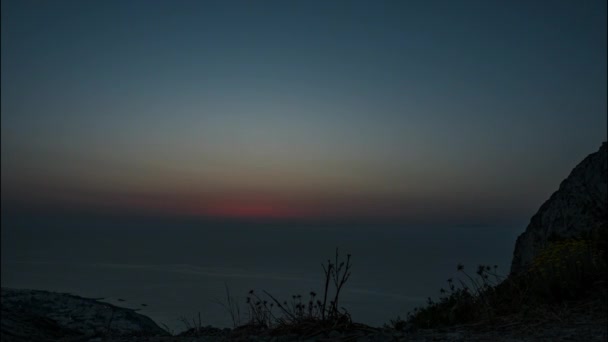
(566, 270)
(302, 315)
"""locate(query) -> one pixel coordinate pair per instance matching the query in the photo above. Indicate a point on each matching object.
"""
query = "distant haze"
(409, 111)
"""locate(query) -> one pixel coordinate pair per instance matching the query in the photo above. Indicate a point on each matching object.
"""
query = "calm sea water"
(179, 269)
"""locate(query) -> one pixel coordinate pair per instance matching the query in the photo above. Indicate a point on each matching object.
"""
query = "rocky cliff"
(31, 315)
(577, 207)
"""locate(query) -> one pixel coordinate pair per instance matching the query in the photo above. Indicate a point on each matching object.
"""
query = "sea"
(176, 270)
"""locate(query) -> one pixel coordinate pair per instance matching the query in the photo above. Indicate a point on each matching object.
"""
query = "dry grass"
(310, 315)
(567, 272)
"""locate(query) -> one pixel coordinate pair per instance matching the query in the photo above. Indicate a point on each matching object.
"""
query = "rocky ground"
(551, 330)
(590, 331)
(29, 315)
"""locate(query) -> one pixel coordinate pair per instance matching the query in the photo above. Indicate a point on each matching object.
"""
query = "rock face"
(577, 207)
(31, 315)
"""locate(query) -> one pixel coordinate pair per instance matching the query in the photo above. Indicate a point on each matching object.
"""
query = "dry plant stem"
(232, 308)
(476, 286)
(186, 322)
(168, 329)
(479, 293)
(327, 271)
(340, 278)
(285, 311)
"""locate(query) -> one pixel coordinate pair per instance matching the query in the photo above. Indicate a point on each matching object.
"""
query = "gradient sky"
(411, 110)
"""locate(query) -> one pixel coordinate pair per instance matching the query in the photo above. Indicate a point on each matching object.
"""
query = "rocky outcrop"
(31, 315)
(578, 207)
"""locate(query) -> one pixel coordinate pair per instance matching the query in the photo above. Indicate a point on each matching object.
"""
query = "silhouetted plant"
(267, 312)
(194, 328)
(168, 329)
(231, 305)
(567, 269)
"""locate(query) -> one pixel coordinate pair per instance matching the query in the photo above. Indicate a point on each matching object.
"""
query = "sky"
(413, 111)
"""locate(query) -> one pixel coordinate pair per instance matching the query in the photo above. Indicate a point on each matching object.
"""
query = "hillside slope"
(32, 315)
(577, 207)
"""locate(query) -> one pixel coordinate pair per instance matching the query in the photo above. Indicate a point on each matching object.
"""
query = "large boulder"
(32, 315)
(576, 209)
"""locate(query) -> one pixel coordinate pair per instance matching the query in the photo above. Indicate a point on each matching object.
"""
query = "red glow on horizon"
(228, 206)
(238, 206)
(250, 210)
